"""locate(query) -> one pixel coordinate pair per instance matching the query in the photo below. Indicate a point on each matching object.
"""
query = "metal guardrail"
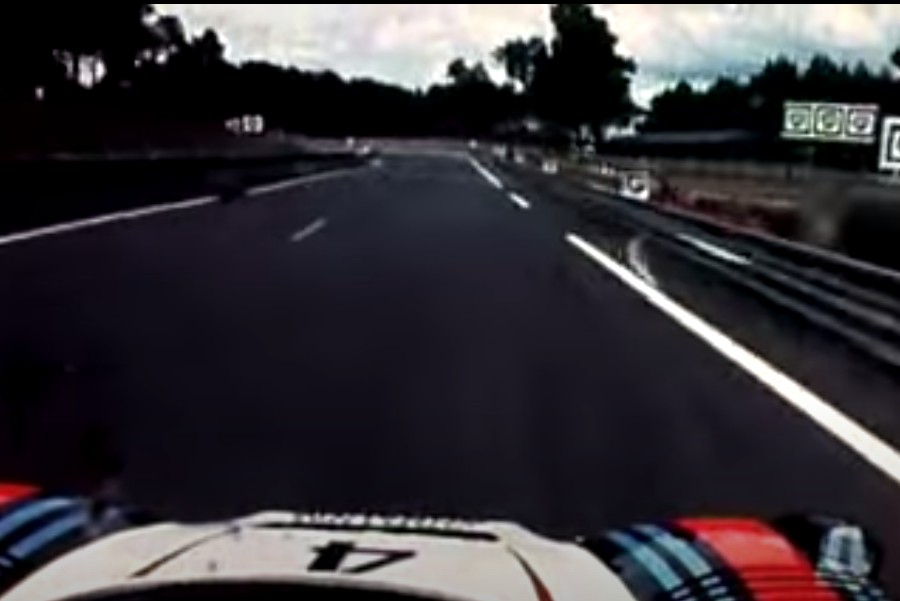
(867, 318)
(44, 192)
(837, 265)
(856, 301)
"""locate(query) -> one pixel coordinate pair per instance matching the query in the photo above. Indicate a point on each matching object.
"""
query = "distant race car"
(58, 548)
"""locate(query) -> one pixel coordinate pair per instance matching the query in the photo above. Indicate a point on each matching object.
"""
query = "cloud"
(699, 42)
(412, 43)
(408, 43)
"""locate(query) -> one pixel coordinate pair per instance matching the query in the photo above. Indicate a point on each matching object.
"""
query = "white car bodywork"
(444, 560)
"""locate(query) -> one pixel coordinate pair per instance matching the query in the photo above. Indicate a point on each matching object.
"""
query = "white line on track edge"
(490, 177)
(868, 446)
(309, 231)
(299, 181)
(73, 226)
(519, 201)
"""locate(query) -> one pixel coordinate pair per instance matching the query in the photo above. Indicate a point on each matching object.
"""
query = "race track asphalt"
(403, 338)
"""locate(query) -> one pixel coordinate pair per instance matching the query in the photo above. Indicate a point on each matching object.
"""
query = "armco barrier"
(41, 192)
(856, 301)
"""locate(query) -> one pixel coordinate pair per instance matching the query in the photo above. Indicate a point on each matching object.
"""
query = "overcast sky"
(412, 43)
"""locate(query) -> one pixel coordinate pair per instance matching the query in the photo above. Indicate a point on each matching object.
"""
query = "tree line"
(755, 103)
(129, 58)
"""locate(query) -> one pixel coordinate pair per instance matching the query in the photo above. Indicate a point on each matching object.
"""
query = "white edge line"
(272, 188)
(74, 226)
(299, 181)
(519, 201)
(490, 177)
(105, 219)
(309, 231)
(868, 446)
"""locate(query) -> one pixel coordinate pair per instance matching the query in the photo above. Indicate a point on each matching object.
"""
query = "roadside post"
(889, 155)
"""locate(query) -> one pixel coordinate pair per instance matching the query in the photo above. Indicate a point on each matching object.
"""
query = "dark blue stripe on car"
(655, 565)
(47, 536)
(29, 512)
(695, 563)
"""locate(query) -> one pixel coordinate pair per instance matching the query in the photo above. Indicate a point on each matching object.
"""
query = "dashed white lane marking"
(868, 446)
(490, 177)
(299, 181)
(519, 201)
(82, 224)
(309, 231)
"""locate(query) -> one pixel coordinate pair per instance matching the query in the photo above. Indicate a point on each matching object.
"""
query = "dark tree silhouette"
(757, 103)
(522, 59)
(169, 38)
(127, 61)
(576, 80)
(461, 74)
(470, 104)
(755, 106)
(586, 83)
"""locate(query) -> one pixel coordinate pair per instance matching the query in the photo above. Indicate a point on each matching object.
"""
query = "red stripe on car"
(12, 493)
(768, 565)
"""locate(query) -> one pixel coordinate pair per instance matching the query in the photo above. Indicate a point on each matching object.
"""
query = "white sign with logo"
(254, 124)
(830, 122)
(798, 121)
(636, 186)
(248, 124)
(889, 157)
(862, 122)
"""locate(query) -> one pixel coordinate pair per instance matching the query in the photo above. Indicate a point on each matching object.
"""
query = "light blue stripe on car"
(667, 579)
(30, 512)
(48, 535)
(692, 560)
